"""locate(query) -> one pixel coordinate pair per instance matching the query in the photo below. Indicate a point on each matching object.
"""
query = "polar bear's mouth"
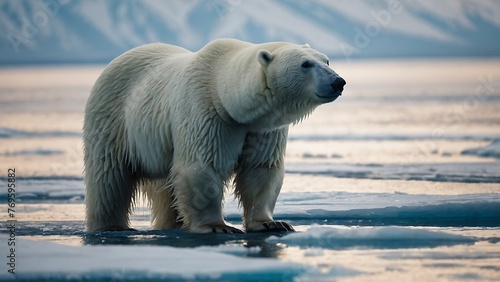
(330, 98)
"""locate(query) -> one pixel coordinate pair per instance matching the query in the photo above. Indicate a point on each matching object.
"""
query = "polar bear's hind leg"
(161, 199)
(108, 199)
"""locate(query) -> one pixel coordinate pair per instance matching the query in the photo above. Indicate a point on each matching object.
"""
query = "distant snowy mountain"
(95, 31)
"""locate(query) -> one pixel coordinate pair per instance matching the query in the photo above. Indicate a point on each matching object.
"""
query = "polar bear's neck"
(240, 82)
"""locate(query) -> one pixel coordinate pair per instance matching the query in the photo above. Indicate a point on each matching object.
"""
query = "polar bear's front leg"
(258, 189)
(259, 178)
(198, 193)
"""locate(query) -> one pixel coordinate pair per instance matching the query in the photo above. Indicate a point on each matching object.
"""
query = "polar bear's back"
(124, 72)
(119, 94)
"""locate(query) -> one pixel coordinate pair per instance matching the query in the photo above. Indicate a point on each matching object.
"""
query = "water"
(398, 149)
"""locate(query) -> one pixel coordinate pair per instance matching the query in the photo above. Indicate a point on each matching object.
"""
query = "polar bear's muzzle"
(330, 92)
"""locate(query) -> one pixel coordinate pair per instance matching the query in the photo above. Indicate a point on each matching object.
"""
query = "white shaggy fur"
(179, 124)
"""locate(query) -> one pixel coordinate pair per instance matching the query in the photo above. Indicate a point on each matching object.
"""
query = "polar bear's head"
(299, 79)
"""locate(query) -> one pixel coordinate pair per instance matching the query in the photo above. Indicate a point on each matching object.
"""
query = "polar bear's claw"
(225, 229)
(273, 226)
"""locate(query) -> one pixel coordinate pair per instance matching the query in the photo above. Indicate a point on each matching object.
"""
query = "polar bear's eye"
(327, 62)
(307, 64)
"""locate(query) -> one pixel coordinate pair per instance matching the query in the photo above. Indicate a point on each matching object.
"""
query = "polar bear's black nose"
(338, 84)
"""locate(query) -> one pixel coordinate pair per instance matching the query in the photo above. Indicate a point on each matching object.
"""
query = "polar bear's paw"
(270, 226)
(217, 228)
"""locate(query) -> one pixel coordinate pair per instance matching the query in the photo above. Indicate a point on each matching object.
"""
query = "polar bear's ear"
(306, 45)
(264, 57)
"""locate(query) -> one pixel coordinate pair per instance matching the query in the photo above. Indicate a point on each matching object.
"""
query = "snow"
(230, 249)
(56, 262)
(491, 151)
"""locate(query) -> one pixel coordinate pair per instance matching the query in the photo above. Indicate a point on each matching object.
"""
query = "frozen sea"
(397, 180)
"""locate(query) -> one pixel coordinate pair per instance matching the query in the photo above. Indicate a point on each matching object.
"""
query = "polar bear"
(179, 125)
